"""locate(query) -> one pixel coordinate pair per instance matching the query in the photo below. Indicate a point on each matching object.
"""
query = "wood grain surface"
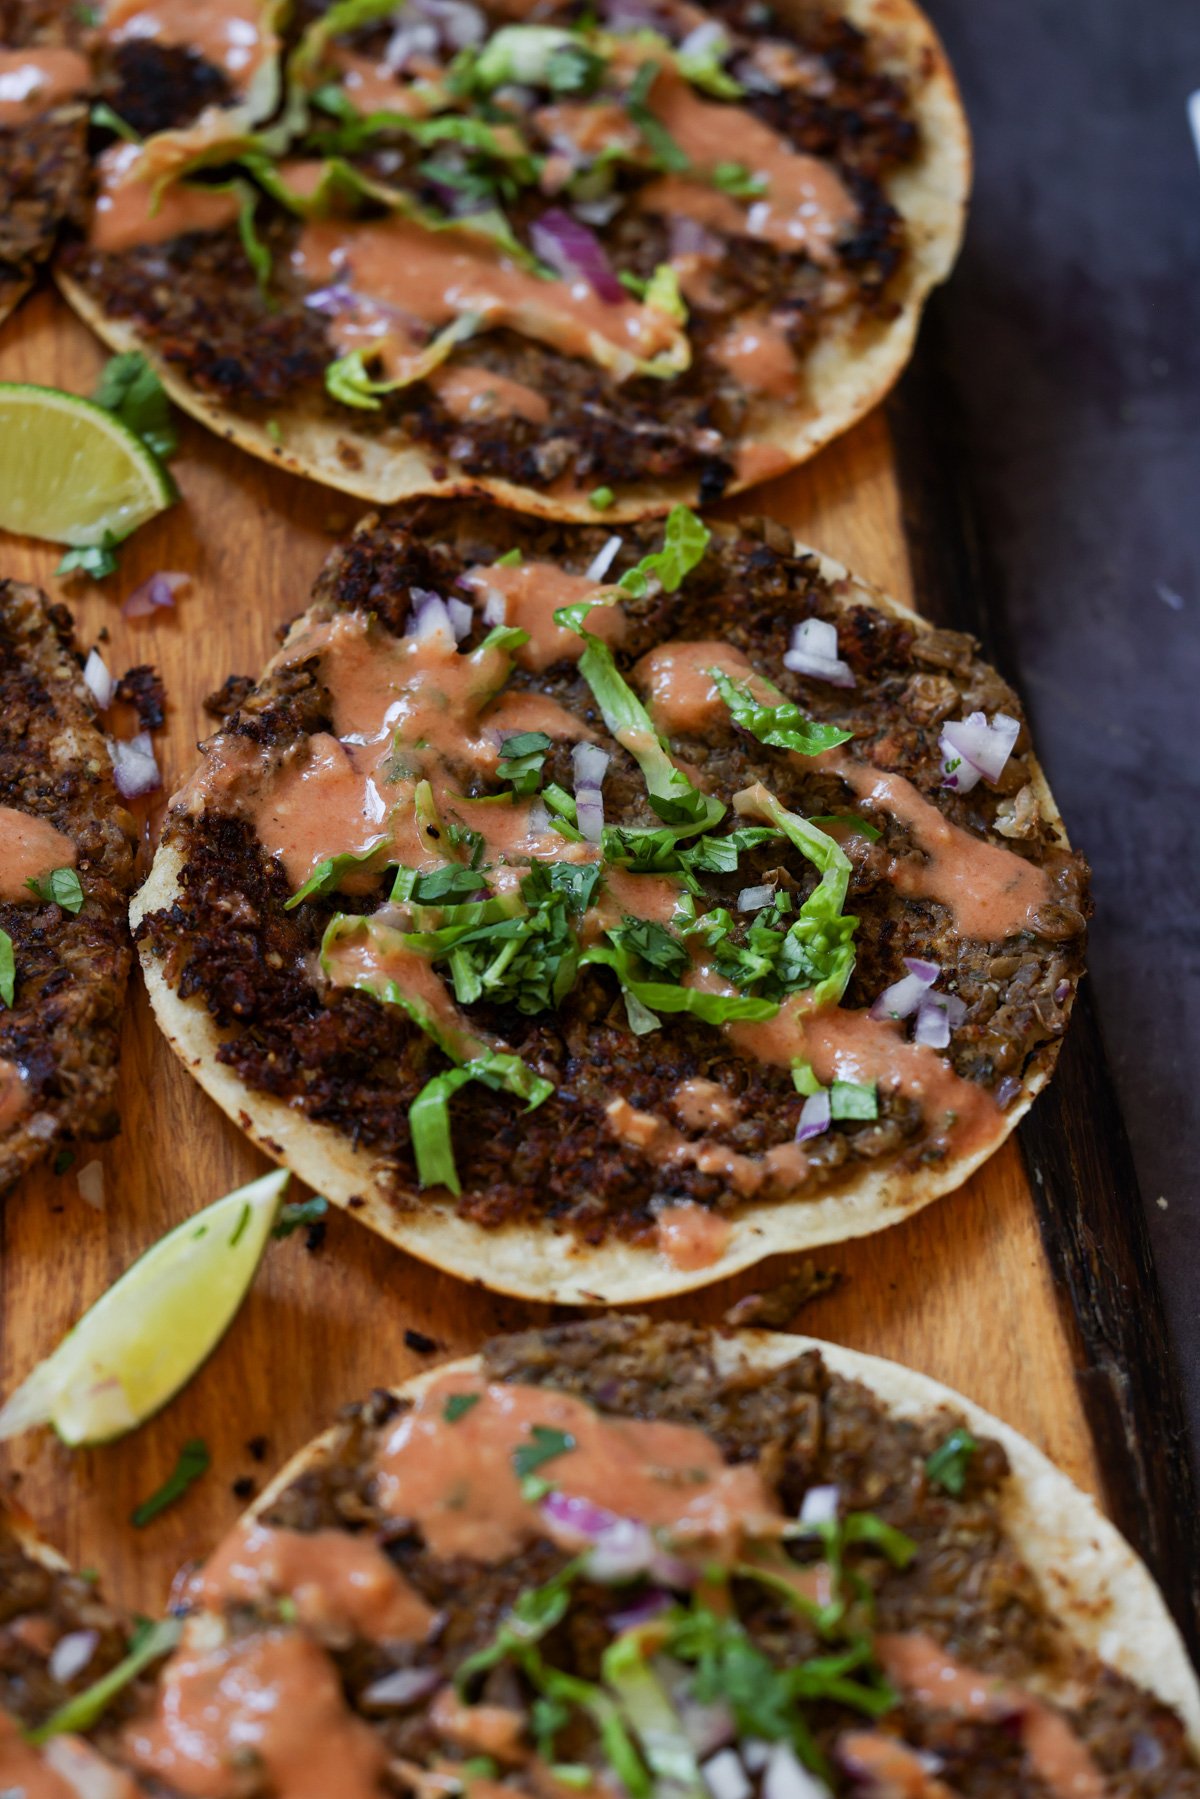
(961, 1292)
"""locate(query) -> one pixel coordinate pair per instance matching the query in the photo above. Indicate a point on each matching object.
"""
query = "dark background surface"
(1069, 344)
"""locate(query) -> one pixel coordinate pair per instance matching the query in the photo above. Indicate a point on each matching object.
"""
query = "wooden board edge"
(1083, 1180)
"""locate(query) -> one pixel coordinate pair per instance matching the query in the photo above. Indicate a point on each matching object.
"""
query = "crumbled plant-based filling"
(353, 1063)
(40, 1606)
(43, 161)
(934, 1562)
(59, 1037)
(814, 81)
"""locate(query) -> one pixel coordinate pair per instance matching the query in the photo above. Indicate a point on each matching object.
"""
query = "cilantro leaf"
(849, 821)
(8, 969)
(947, 1466)
(458, 1405)
(736, 179)
(299, 1212)
(847, 1099)
(665, 152)
(521, 759)
(328, 875)
(545, 1446)
(451, 882)
(59, 888)
(194, 1459)
(535, 56)
(781, 725)
(130, 389)
(653, 944)
(95, 559)
(685, 539)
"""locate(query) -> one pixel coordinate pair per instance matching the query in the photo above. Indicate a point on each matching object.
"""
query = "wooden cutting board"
(961, 1292)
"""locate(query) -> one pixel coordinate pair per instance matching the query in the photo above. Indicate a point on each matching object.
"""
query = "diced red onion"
(688, 237)
(539, 818)
(706, 40)
(651, 1605)
(706, 1727)
(785, 1777)
(459, 24)
(72, 1653)
(978, 749)
(814, 1117)
(574, 251)
(462, 617)
(429, 617)
(632, 15)
(82, 1770)
(135, 769)
(97, 679)
(820, 1506)
(521, 99)
(753, 78)
(756, 1754)
(621, 1548)
(600, 211)
(590, 762)
(725, 1777)
(600, 564)
(331, 302)
(903, 997)
(91, 1184)
(814, 652)
(937, 1015)
(1006, 1091)
(157, 593)
(415, 38)
(753, 899)
(495, 607)
(402, 1687)
(1062, 993)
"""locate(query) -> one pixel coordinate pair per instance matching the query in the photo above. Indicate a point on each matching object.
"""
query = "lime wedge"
(147, 1336)
(72, 472)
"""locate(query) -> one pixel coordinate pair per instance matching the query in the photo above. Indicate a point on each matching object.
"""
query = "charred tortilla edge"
(849, 369)
(523, 1260)
(1091, 1578)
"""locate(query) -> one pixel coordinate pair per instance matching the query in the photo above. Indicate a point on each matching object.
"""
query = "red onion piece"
(135, 768)
(820, 1506)
(1062, 993)
(429, 617)
(72, 1653)
(937, 1015)
(814, 1117)
(600, 564)
(462, 618)
(331, 302)
(539, 818)
(977, 749)
(402, 1687)
(753, 899)
(705, 40)
(725, 1777)
(620, 1547)
(688, 237)
(97, 679)
(91, 1189)
(574, 252)
(706, 1727)
(902, 998)
(814, 652)
(600, 211)
(1006, 1091)
(157, 592)
(756, 1754)
(785, 1777)
(590, 762)
(651, 1605)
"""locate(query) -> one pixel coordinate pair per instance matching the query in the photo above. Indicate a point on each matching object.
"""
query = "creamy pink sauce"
(227, 33)
(758, 356)
(692, 1237)
(703, 1105)
(34, 81)
(924, 1671)
(377, 958)
(478, 393)
(435, 278)
(681, 694)
(275, 1699)
(14, 1095)
(760, 462)
(29, 848)
(479, 1729)
(124, 216)
(334, 1578)
(519, 709)
(893, 1770)
(374, 87)
(991, 892)
(782, 1166)
(532, 593)
(22, 1770)
(456, 1480)
(625, 895)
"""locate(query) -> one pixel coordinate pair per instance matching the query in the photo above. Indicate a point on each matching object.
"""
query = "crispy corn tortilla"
(1102, 1592)
(850, 368)
(521, 1260)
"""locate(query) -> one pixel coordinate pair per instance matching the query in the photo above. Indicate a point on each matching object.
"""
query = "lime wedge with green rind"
(72, 473)
(146, 1337)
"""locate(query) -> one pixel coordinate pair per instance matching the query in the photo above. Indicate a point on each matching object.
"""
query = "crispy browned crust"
(63, 1027)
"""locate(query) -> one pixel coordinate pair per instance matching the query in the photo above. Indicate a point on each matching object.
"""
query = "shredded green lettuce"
(328, 875)
(61, 887)
(819, 953)
(685, 539)
(429, 1113)
(778, 723)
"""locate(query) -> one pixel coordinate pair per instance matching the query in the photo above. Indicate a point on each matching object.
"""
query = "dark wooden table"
(1069, 346)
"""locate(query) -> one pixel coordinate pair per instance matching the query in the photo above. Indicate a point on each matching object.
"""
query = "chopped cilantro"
(63, 1160)
(849, 821)
(510, 559)
(132, 392)
(545, 1445)
(947, 1466)
(193, 1460)
(8, 969)
(664, 151)
(299, 1212)
(736, 179)
(104, 118)
(521, 759)
(59, 888)
(601, 498)
(653, 944)
(685, 539)
(451, 882)
(95, 559)
(458, 1405)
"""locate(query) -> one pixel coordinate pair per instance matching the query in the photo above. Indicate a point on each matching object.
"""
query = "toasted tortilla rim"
(850, 368)
(1090, 1576)
(530, 1261)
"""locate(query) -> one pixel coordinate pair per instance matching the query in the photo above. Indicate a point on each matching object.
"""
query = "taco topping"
(698, 1577)
(496, 831)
